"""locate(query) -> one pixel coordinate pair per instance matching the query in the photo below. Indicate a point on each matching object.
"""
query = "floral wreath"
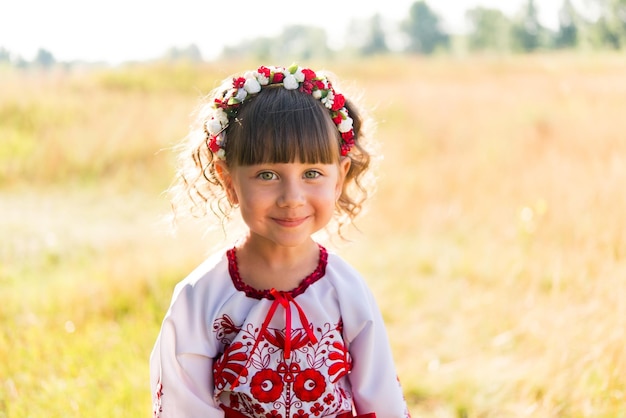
(292, 78)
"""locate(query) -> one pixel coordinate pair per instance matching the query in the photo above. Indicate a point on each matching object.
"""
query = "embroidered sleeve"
(181, 371)
(375, 385)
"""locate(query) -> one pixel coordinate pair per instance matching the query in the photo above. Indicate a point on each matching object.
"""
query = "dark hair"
(282, 126)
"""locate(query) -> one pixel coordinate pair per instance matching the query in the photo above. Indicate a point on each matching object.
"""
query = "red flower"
(265, 71)
(299, 339)
(308, 74)
(348, 136)
(213, 145)
(238, 82)
(317, 409)
(224, 324)
(307, 87)
(301, 414)
(338, 102)
(309, 385)
(273, 414)
(219, 103)
(311, 83)
(277, 78)
(266, 386)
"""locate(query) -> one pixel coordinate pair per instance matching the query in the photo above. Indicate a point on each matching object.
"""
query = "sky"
(115, 31)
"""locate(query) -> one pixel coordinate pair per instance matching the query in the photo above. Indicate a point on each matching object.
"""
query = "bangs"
(282, 126)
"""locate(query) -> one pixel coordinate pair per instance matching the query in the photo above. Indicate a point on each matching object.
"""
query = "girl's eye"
(267, 175)
(312, 174)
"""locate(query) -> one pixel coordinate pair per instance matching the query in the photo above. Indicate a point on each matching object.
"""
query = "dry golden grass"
(495, 243)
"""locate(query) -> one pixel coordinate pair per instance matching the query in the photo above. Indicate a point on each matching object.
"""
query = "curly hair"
(276, 126)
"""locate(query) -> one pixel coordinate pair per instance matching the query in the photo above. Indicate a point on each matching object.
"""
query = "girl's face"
(285, 203)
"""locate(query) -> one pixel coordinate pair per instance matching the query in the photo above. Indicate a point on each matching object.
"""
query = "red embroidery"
(239, 284)
(309, 378)
(309, 385)
(230, 366)
(284, 299)
(294, 372)
(317, 409)
(339, 360)
(156, 406)
(224, 327)
(267, 386)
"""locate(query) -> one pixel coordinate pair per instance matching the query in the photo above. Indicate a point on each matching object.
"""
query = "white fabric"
(208, 315)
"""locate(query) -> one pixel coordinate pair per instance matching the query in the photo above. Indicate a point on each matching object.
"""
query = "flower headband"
(292, 78)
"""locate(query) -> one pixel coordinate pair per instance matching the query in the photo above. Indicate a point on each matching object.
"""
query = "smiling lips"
(290, 222)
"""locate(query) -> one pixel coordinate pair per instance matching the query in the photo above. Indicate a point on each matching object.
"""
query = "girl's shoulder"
(349, 283)
(341, 271)
(357, 303)
(209, 277)
(213, 266)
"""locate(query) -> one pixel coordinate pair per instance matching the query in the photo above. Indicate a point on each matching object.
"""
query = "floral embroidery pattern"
(266, 386)
(306, 384)
(309, 385)
(156, 406)
(339, 361)
(230, 365)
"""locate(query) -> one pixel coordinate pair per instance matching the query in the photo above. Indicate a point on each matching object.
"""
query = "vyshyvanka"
(228, 350)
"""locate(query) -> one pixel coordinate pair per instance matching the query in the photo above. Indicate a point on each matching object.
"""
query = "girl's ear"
(226, 179)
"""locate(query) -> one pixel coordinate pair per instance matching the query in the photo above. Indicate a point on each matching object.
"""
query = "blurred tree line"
(601, 27)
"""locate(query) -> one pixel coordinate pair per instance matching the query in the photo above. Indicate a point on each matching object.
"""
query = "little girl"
(276, 325)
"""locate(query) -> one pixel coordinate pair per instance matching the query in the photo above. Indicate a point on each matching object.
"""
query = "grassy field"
(495, 244)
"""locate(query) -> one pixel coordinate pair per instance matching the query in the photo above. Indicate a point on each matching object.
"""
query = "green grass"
(494, 243)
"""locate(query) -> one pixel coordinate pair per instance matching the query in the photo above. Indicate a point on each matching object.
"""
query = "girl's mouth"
(289, 222)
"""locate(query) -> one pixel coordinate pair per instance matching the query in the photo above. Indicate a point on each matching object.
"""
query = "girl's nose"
(291, 195)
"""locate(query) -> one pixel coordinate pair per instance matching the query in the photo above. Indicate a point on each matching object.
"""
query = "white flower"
(264, 81)
(299, 75)
(323, 79)
(241, 95)
(220, 116)
(317, 94)
(214, 126)
(329, 99)
(345, 125)
(221, 154)
(290, 82)
(252, 86)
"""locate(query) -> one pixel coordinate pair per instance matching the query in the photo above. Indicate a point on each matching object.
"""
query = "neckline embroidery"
(250, 291)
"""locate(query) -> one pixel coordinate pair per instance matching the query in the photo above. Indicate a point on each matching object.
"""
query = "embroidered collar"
(250, 291)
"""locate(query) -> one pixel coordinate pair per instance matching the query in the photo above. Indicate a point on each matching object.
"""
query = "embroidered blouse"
(226, 349)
